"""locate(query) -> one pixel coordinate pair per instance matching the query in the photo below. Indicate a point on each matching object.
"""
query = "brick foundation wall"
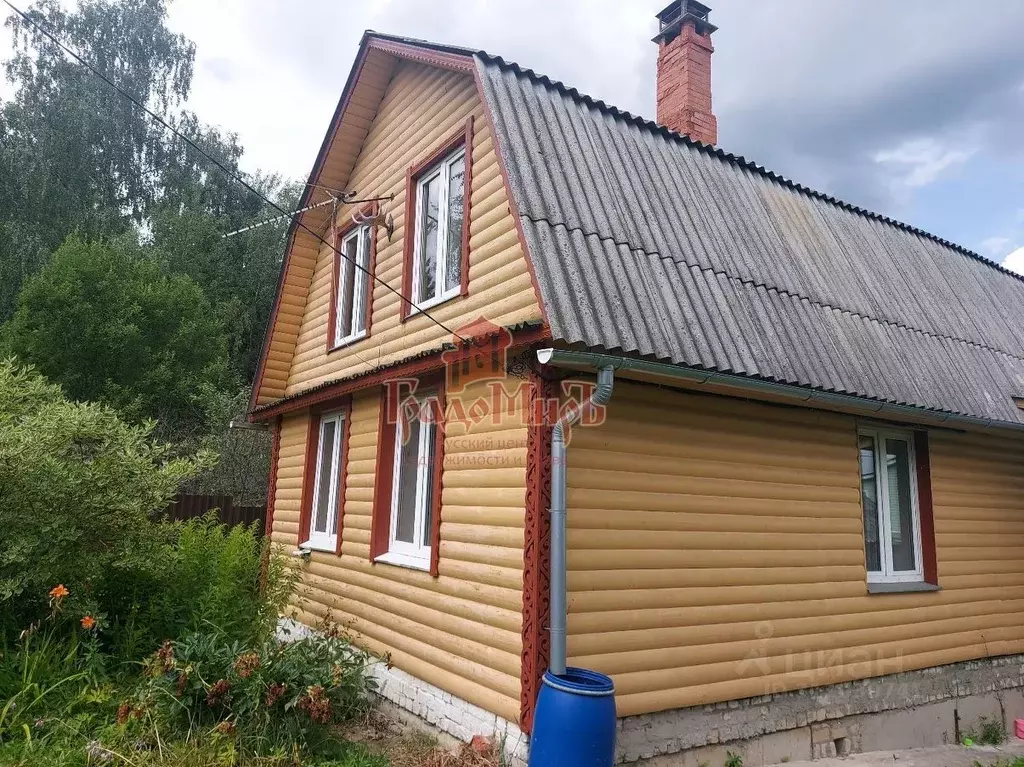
(442, 710)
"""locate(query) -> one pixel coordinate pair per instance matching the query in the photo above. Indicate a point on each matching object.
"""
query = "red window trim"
(464, 137)
(340, 233)
(309, 467)
(380, 525)
(924, 505)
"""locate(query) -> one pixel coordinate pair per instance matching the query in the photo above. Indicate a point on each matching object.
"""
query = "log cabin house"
(795, 527)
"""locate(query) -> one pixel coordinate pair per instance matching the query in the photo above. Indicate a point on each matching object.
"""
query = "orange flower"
(88, 622)
(58, 592)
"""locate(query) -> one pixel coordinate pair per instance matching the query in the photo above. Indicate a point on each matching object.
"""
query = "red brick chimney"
(684, 70)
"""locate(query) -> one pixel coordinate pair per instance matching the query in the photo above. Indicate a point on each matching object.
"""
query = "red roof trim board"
(422, 54)
(307, 194)
(416, 366)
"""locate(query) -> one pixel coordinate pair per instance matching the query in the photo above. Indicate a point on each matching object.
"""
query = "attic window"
(437, 254)
(352, 273)
(1019, 402)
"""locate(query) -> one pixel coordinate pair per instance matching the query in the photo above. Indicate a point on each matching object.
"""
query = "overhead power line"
(224, 169)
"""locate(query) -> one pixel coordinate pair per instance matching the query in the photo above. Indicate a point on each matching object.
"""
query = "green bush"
(271, 697)
(78, 487)
(208, 577)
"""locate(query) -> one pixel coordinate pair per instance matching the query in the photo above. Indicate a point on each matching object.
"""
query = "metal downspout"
(600, 396)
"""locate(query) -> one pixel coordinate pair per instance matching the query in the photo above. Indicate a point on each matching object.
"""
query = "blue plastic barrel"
(574, 722)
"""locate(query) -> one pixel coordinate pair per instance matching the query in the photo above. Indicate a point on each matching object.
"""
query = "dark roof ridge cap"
(739, 160)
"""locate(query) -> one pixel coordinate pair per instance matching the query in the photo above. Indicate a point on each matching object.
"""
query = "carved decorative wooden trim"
(536, 551)
(423, 55)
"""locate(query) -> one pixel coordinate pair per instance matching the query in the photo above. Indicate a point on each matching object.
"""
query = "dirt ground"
(944, 756)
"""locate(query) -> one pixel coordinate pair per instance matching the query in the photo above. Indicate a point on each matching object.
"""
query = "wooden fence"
(191, 506)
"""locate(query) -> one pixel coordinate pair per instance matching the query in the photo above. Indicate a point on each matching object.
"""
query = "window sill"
(403, 560)
(433, 302)
(901, 588)
(346, 342)
(330, 547)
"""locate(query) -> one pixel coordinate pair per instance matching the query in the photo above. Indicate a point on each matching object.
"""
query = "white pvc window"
(353, 286)
(440, 212)
(892, 518)
(323, 518)
(412, 491)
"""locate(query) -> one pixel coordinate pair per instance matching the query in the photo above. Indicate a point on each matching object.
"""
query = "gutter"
(795, 394)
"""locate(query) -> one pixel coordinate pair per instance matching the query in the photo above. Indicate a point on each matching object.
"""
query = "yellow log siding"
(716, 552)
(422, 107)
(374, 76)
(461, 631)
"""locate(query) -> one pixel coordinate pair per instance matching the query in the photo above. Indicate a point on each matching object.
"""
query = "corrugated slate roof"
(646, 242)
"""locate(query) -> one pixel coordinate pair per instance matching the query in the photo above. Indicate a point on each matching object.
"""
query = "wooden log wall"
(422, 107)
(461, 631)
(716, 552)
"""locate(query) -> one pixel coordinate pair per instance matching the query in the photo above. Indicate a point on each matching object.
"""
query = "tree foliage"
(78, 160)
(77, 488)
(112, 326)
(77, 157)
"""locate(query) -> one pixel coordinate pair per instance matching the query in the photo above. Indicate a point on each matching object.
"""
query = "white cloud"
(995, 246)
(1015, 261)
(920, 162)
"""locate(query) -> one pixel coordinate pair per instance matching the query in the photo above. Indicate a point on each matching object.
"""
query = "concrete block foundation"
(930, 707)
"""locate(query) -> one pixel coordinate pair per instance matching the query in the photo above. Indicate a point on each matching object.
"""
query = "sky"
(915, 111)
